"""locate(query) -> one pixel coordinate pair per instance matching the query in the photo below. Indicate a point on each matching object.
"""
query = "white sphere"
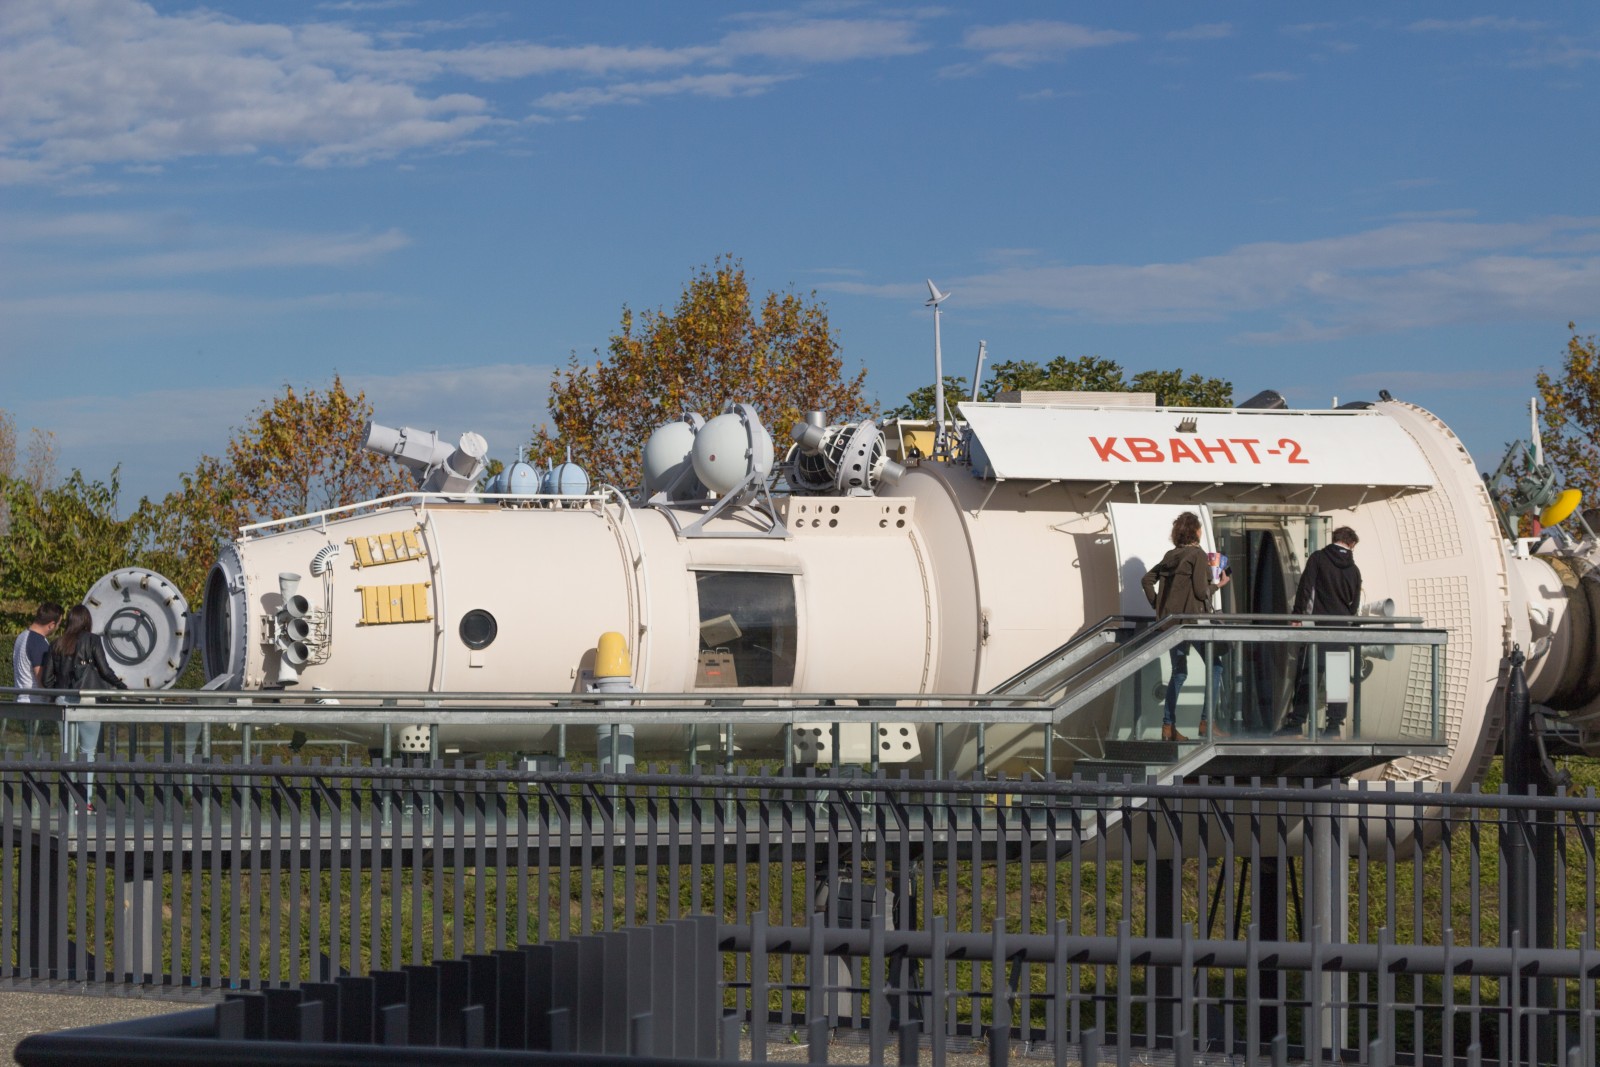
(666, 455)
(731, 447)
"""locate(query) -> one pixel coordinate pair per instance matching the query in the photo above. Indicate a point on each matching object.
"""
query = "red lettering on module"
(1107, 449)
(1220, 448)
(1144, 450)
(1179, 451)
(1248, 444)
(1293, 448)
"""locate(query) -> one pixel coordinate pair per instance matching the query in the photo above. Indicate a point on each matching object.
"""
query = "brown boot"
(1207, 730)
(1170, 732)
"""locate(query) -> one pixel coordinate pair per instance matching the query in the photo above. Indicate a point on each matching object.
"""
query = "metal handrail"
(601, 494)
(1081, 643)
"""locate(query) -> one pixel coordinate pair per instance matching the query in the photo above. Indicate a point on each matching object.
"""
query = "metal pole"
(1527, 843)
(940, 450)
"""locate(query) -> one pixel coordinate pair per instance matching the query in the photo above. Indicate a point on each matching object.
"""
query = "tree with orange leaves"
(1570, 406)
(297, 453)
(713, 347)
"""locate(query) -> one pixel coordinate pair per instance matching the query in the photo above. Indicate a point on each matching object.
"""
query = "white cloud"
(1205, 31)
(1476, 24)
(277, 251)
(95, 83)
(167, 306)
(1025, 44)
(825, 40)
(88, 247)
(1562, 52)
(1394, 277)
(521, 59)
(117, 82)
(711, 85)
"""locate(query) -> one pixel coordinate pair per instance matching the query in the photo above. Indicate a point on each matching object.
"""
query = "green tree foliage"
(63, 539)
(1570, 402)
(715, 346)
(919, 402)
(24, 479)
(1084, 374)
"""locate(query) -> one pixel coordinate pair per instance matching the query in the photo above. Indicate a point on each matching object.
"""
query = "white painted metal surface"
(1356, 447)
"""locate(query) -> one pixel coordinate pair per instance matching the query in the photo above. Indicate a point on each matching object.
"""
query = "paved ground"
(24, 1013)
(28, 1012)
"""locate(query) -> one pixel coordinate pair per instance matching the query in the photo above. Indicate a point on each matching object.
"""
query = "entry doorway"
(1266, 552)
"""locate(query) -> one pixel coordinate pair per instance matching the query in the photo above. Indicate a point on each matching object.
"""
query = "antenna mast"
(941, 443)
(977, 372)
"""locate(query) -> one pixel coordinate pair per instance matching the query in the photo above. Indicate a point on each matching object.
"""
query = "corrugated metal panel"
(396, 547)
(384, 604)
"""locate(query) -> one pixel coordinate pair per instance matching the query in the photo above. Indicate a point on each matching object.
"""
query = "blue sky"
(441, 201)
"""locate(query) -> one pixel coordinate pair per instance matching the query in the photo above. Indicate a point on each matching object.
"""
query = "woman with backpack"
(1182, 584)
(77, 660)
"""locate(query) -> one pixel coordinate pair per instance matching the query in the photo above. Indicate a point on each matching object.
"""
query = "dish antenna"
(941, 446)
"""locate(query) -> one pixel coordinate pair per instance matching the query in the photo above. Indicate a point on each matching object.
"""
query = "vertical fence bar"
(104, 864)
(457, 915)
(292, 793)
(249, 858)
(274, 849)
(365, 797)
(519, 796)
(885, 845)
(11, 872)
(213, 888)
(433, 814)
(80, 831)
(480, 863)
(57, 901)
(389, 830)
(236, 821)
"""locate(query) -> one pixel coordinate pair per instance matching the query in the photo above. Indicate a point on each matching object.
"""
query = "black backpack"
(72, 670)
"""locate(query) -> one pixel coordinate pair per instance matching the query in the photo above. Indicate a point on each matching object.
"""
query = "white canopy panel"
(1351, 447)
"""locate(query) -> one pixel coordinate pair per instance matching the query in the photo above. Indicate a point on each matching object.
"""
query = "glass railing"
(1265, 678)
(1100, 697)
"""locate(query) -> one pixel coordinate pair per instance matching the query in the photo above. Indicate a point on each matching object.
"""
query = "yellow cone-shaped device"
(611, 657)
(1564, 505)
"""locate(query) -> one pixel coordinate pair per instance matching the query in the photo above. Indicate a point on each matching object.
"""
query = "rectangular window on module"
(748, 632)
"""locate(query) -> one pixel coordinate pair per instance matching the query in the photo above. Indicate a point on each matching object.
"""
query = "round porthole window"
(478, 629)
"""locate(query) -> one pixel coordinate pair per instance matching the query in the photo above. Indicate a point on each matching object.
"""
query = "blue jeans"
(1179, 660)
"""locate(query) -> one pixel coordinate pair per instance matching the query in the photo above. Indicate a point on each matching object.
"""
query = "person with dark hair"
(33, 644)
(1182, 584)
(1330, 586)
(77, 660)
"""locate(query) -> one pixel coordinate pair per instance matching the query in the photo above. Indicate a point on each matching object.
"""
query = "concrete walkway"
(23, 1013)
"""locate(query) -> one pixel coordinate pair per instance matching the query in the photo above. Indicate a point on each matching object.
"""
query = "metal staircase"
(1079, 677)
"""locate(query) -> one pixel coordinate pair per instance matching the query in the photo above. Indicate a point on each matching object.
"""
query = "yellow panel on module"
(379, 549)
(383, 604)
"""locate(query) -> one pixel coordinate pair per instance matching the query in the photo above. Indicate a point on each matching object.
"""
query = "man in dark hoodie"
(1331, 585)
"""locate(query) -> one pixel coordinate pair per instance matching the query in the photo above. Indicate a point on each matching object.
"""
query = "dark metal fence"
(1075, 919)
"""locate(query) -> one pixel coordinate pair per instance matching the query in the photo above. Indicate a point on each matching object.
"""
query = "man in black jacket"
(1331, 585)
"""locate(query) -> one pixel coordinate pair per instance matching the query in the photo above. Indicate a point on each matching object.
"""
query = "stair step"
(1114, 770)
(1144, 752)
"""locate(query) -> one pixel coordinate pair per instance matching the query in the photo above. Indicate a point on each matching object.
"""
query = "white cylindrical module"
(950, 581)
